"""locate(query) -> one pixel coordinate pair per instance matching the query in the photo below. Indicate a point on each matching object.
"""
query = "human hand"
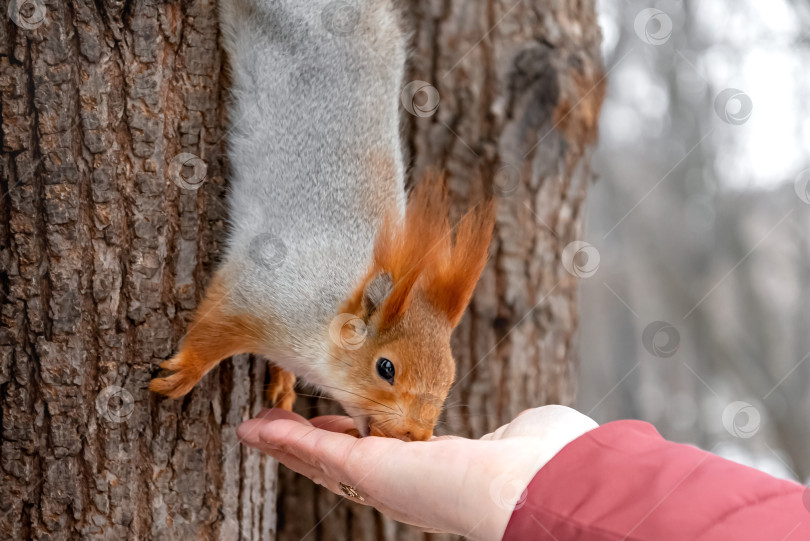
(449, 484)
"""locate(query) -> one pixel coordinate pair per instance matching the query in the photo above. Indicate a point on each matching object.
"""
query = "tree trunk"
(104, 259)
(112, 217)
(520, 85)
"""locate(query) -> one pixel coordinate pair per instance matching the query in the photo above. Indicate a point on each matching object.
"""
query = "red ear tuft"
(419, 251)
(406, 249)
(452, 275)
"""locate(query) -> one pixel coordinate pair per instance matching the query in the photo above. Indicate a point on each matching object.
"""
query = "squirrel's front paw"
(186, 375)
(280, 391)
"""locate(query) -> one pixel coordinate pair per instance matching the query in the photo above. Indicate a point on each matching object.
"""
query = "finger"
(527, 422)
(340, 455)
(248, 432)
(549, 420)
(413, 482)
(446, 437)
(272, 414)
(292, 462)
(498, 434)
(296, 465)
(431, 530)
(334, 423)
(317, 476)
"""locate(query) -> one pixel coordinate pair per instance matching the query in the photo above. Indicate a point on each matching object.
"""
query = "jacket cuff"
(622, 480)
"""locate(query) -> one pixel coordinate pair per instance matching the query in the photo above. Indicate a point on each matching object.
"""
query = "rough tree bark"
(520, 85)
(107, 240)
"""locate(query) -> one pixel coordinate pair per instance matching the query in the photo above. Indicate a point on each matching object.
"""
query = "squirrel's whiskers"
(363, 286)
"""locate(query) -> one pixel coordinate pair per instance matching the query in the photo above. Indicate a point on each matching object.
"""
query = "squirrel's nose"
(404, 432)
(414, 434)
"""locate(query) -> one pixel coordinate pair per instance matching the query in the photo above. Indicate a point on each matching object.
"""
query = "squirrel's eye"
(385, 369)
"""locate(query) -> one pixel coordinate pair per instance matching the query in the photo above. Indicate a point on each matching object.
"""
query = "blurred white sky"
(682, 243)
(745, 44)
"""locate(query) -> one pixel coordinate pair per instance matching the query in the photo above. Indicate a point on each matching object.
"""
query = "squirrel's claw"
(280, 391)
(179, 383)
(216, 334)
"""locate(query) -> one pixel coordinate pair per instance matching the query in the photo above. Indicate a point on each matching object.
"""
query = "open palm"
(450, 484)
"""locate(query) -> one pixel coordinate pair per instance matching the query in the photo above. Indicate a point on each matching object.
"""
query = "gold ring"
(350, 491)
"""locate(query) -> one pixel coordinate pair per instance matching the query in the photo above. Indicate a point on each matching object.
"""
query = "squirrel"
(330, 270)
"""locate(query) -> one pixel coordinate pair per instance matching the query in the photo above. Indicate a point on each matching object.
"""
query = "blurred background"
(698, 316)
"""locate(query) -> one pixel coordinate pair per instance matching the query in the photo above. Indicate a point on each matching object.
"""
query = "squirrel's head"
(390, 343)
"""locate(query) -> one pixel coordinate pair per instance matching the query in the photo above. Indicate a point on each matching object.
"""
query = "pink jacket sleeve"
(624, 481)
